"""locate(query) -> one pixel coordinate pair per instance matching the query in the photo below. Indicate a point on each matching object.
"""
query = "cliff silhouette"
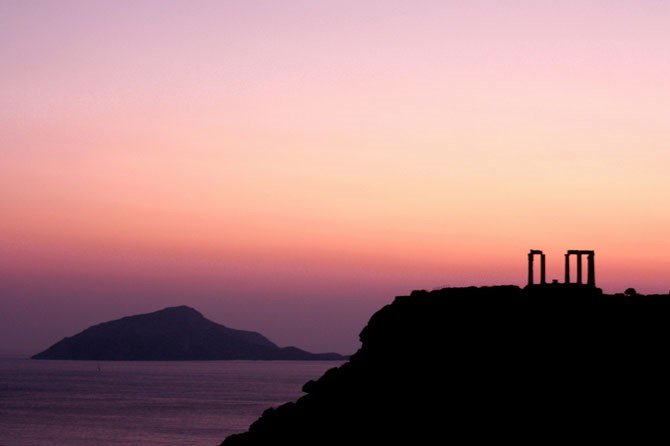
(545, 364)
(174, 333)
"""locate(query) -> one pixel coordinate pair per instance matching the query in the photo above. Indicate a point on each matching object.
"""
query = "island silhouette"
(172, 334)
(547, 363)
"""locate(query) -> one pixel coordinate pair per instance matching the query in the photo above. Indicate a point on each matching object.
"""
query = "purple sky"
(288, 167)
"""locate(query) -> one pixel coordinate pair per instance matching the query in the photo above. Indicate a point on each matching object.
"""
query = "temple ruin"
(579, 254)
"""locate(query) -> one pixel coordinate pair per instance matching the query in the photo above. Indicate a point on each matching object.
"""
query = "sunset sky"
(290, 166)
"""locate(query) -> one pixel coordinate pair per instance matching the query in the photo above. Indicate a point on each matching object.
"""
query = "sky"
(289, 167)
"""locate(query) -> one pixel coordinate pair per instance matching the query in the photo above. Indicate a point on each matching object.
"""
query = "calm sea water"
(72, 403)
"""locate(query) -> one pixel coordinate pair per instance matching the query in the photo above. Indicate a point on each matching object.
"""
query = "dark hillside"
(176, 333)
(471, 365)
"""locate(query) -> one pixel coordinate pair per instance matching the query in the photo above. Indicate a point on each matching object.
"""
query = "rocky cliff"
(504, 364)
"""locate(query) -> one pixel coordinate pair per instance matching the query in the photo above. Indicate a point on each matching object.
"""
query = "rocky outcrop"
(547, 364)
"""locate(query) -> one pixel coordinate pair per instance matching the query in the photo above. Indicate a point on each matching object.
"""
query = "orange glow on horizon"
(437, 141)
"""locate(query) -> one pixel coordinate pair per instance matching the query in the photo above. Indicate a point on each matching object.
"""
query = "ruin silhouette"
(579, 253)
(548, 363)
(543, 268)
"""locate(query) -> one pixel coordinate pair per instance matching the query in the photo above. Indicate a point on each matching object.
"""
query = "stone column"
(543, 269)
(592, 269)
(530, 268)
(579, 268)
(567, 268)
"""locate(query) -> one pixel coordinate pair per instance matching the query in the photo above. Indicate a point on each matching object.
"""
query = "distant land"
(172, 334)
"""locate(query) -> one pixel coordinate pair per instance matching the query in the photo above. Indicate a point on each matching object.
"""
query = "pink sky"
(288, 167)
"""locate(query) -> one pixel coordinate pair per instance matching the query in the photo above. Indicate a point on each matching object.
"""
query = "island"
(172, 334)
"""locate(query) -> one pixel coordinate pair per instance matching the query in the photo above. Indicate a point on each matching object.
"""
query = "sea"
(84, 403)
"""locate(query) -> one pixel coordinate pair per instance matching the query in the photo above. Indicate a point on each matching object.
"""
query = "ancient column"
(543, 270)
(567, 268)
(592, 269)
(579, 268)
(530, 268)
